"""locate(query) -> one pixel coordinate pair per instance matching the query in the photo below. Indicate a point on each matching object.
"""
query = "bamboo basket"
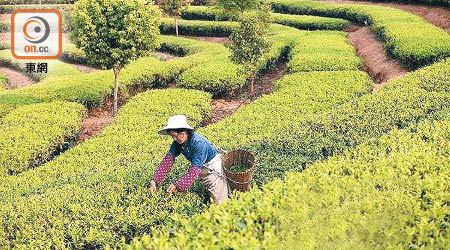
(239, 181)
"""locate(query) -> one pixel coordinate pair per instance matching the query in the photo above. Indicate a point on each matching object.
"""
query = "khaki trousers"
(213, 178)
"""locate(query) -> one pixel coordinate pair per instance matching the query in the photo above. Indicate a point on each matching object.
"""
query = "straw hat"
(175, 122)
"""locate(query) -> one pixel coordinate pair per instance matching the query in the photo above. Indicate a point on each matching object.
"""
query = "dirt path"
(96, 120)
(439, 16)
(377, 63)
(5, 17)
(222, 108)
(164, 56)
(209, 39)
(16, 79)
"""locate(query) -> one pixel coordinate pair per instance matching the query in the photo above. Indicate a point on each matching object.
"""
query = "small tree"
(175, 8)
(249, 42)
(114, 32)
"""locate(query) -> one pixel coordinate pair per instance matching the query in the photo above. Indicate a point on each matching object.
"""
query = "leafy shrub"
(197, 28)
(296, 97)
(33, 134)
(105, 176)
(319, 51)
(298, 21)
(406, 36)
(444, 3)
(92, 89)
(389, 192)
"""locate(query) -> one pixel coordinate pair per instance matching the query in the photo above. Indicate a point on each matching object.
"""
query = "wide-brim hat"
(175, 122)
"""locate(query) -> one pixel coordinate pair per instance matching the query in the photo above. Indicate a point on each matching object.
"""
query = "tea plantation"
(339, 166)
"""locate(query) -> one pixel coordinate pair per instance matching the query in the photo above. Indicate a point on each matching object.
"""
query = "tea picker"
(206, 163)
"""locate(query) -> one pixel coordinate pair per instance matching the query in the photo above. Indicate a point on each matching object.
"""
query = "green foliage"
(234, 8)
(34, 134)
(296, 97)
(92, 89)
(94, 194)
(249, 42)
(112, 33)
(72, 54)
(389, 193)
(306, 22)
(298, 21)
(198, 28)
(319, 51)
(174, 7)
(406, 36)
(444, 3)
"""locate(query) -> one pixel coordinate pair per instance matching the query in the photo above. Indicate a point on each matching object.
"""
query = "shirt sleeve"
(200, 154)
(186, 181)
(174, 149)
(163, 169)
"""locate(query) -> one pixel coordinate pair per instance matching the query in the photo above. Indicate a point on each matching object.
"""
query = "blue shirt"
(198, 150)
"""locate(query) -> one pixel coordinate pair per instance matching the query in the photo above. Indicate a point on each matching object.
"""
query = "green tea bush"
(197, 28)
(404, 101)
(34, 134)
(92, 89)
(94, 194)
(306, 22)
(296, 97)
(444, 3)
(390, 192)
(298, 21)
(71, 54)
(220, 77)
(10, 100)
(319, 51)
(406, 36)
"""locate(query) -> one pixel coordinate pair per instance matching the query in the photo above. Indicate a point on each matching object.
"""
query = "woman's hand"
(172, 189)
(153, 188)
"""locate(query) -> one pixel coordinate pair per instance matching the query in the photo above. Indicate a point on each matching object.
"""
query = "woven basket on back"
(239, 181)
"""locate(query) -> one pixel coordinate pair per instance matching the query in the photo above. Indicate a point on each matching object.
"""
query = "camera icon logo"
(36, 34)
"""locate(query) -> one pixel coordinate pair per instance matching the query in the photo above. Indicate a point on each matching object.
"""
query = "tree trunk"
(116, 89)
(252, 80)
(176, 26)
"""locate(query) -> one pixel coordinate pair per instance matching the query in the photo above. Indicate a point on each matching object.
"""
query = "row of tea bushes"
(322, 50)
(305, 22)
(55, 68)
(197, 28)
(406, 36)
(405, 100)
(444, 3)
(92, 89)
(278, 213)
(296, 97)
(95, 193)
(390, 192)
(33, 134)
